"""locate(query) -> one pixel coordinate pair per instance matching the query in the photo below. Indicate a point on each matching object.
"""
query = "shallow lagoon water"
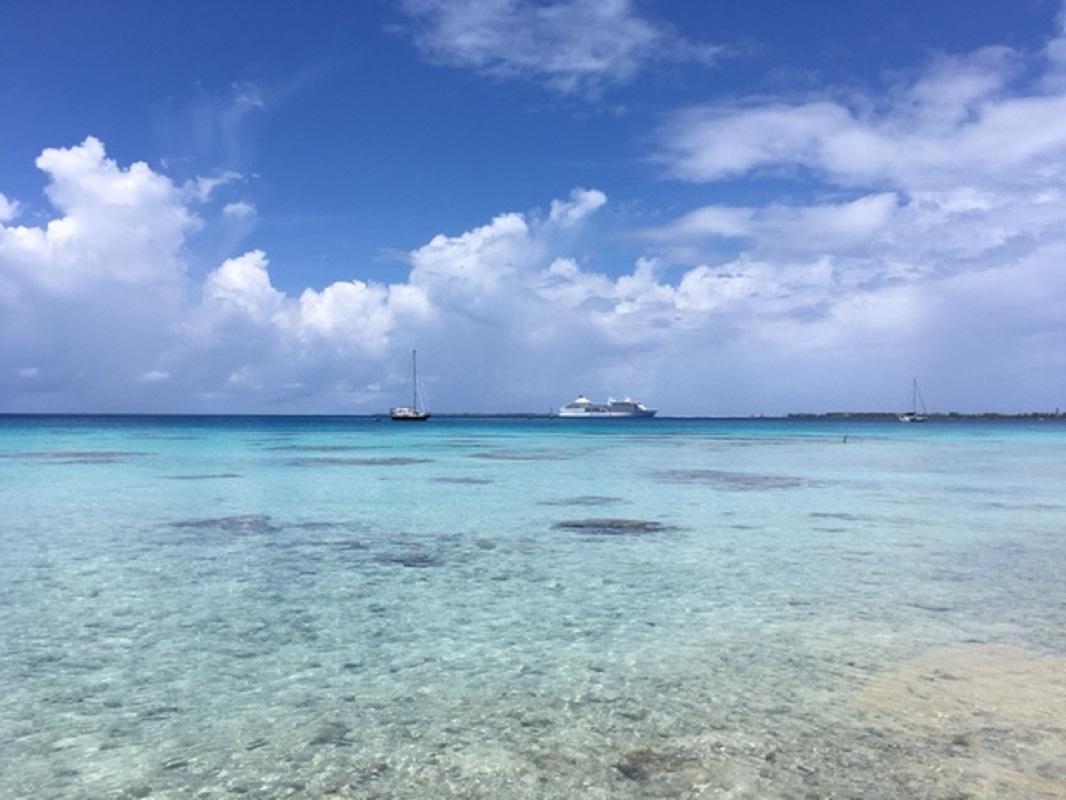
(260, 607)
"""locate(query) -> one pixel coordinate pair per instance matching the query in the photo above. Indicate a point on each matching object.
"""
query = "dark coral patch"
(414, 559)
(205, 477)
(75, 456)
(340, 461)
(741, 481)
(237, 524)
(583, 500)
(640, 765)
(611, 526)
(519, 455)
(320, 448)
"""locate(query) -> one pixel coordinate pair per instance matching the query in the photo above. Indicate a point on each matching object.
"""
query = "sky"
(716, 208)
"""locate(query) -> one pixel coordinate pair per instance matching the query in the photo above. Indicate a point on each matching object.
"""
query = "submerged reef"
(611, 526)
(723, 479)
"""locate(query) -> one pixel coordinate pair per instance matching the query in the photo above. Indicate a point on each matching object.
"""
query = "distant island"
(949, 415)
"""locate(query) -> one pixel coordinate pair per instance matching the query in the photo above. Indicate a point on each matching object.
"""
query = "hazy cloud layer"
(574, 46)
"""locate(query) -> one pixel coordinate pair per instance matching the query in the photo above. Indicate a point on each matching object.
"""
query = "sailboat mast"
(414, 379)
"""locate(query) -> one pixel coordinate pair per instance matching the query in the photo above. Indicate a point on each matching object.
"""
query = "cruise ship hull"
(607, 414)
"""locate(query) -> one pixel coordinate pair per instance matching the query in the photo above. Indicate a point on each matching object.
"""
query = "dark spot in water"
(176, 763)
(1052, 771)
(331, 733)
(44, 659)
(841, 515)
(640, 765)
(321, 448)
(76, 456)
(340, 461)
(255, 744)
(519, 455)
(741, 481)
(316, 525)
(950, 576)
(205, 477)
(159, 712)
(411, 559)
(238, 524)
(824, 529)
(582, 500)
(353, 665)
(931, 607)
(338, 544)
(87, 461)
(611, 526)
(961, 740)
(462, 480)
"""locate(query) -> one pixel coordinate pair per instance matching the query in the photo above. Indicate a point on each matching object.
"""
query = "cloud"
(9, 209)
(921, 260)
(242, 286)
(935, 252)
(573, 46)
(239, 210)
(124, 225)
(827, 226)
(202, 188)
(582, 203)
(957, 123)
(101, 298)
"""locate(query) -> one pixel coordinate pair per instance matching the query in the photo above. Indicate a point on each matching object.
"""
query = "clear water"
(258, 607)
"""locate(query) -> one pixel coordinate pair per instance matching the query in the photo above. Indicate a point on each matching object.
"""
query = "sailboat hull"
(408, 415)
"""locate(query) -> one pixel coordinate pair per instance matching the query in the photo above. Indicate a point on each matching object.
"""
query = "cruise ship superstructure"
(583, 408)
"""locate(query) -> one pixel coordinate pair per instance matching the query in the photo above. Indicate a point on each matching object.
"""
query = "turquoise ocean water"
(347, 607)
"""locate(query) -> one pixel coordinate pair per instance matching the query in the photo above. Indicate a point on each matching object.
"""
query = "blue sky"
(721, 208)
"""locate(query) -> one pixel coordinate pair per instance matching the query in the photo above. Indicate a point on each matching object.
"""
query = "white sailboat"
(916, 398)
(413, 412)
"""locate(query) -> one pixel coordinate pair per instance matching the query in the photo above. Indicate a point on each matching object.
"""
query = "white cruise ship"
(583, 408)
